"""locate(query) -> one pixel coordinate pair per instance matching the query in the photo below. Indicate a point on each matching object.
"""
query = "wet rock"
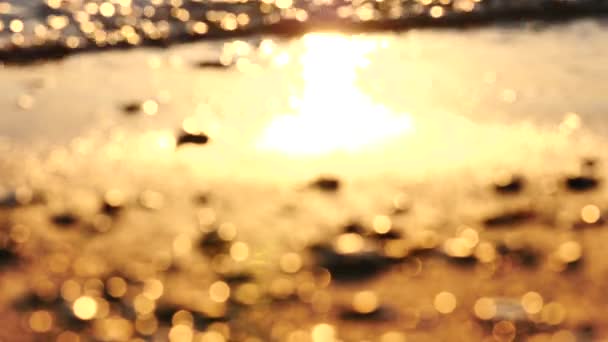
(381, 314)
(328, 184)
(131, 108)
(589, 164)
(212, 64)
(352, 266)
(468, 260)
(585, 333)
(18, 197)
(390, 235)
(354, 227)
(583, 225)
(211, 244)
(513, 185)
(201, 199)
(164, 313)
(31, 301)
(581, 183)
(111, 209)
(238, 278)
(64, 219)
(522, 255)
(9, 201)
(192, 138)
(8, 257)
(510, 218)
(68, 320)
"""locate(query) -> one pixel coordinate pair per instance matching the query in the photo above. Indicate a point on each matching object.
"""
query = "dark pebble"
(111, 209)
(581, 183)
(468, 260)
(515, 185)
(212, 65)
(510, 218)
(350, 267)
(381, 314)
(30, 301)
(585, 332)
(589, 163)
(8, 257)
(399, 211)
(9, 201)
(211, 244)
(201, 199)
(328, 184)
(65, 219)
(238, 278)
(390, 235)
(582, 225)
(131, 108)
(189, 138)
(574, 265)
(164, 313)
(354, 227)
(12, 200)
(524, 256)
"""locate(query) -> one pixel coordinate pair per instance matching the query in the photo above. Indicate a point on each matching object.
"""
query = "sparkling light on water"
(332, 113)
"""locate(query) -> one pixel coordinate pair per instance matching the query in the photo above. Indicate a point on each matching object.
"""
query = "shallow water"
(31, 30)
(461, 193)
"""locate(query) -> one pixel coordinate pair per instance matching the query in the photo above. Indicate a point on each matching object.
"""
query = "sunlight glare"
(332, 113)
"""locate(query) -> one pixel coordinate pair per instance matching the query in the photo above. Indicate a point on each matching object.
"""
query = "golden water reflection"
(332, 113)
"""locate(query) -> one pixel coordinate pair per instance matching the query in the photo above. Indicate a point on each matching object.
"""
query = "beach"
(420, 185)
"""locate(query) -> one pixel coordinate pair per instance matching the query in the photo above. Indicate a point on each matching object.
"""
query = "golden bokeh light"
(219, 292)
(68, 336)
(183, 317)
(393, 336)
(569, 251)
(485, 308)
(553, 313)
(116, 287)
(323, 333)
(247, 294)
(181, 333)
(365, 302)
(504, 331)
(41, 321)
(445, 302)
(532, 302)
(349, 243)
(143, 305)
(333, 109)
(590, 214)
(211, 336)
(153, 289)
(239, 251)
(290, 262)
(382, 224)
(85, 308)
(149, 107)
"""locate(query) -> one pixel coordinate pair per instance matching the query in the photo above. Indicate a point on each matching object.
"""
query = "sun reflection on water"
(332, 114)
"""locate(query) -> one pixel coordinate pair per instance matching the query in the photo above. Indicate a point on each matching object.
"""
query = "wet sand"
(419, 186)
